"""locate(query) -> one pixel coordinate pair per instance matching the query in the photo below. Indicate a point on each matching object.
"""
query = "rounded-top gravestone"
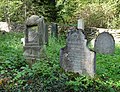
(104, 43)
(33, 20)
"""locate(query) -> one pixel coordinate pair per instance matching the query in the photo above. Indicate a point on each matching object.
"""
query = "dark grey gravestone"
(42, 31)
(54, 30)
(75, 56)
(104, 43)
(46, 33)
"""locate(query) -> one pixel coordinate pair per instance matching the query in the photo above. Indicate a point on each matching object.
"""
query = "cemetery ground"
(46, 74)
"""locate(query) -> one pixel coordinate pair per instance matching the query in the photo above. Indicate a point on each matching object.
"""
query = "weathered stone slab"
(34, 38)
(76, 57)
(104, 43)
(46, 33)
(54, 30)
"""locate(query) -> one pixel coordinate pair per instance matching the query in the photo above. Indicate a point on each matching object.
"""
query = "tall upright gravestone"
(75, 56)
(104, 43)
(46, 33)
(34, 38)
(54, 29)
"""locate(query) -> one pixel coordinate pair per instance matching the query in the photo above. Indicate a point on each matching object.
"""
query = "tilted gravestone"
(75, 56)
(104, 43)
(34, 38)
(54, 30)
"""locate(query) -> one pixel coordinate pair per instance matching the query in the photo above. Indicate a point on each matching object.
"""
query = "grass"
(46, 74)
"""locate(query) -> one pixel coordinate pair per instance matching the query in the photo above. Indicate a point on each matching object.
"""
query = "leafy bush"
(99, 15)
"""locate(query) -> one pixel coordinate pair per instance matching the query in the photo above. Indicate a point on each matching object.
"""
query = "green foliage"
(109, 64)
(53, 11)
(99, 15)
(46, 74)
(69, 7)
(12, 10)
(11, 58)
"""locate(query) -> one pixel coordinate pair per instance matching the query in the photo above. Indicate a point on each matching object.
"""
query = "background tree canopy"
(98, 13)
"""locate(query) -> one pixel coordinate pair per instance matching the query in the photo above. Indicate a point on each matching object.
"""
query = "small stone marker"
(104, 43)
(54, 30)
(4, 26)
(75, 56)
(81, 24)
(34, 38)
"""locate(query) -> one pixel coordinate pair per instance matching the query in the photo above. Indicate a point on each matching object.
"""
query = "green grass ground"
(47, 76)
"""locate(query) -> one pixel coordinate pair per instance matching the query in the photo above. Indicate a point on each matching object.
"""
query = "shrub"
(99, 15)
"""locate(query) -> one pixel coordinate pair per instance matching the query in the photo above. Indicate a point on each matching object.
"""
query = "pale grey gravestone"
(104, 43)
(54, 29)
(80, 24)
(4, 26)
(34, 38)
(75, 56)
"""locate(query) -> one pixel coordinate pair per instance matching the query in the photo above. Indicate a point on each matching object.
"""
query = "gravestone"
(34, 38)
(80, 24)
(104, 43)
(33, 20)
(54, 30)
(46, 33)
(75, 56)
